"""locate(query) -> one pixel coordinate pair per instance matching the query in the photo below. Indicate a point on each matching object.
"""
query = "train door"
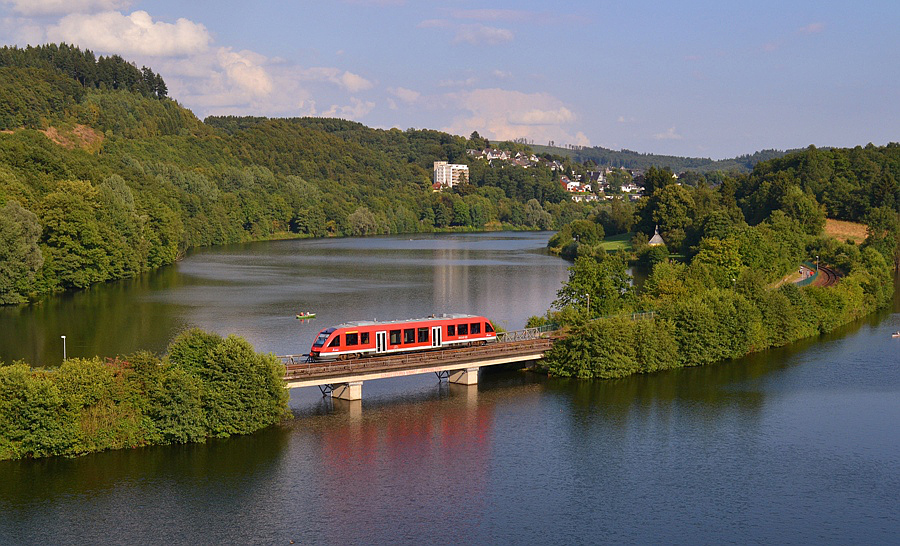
(380, 342)
(435, 336)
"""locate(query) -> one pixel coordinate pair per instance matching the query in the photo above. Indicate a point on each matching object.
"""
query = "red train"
(364, 338)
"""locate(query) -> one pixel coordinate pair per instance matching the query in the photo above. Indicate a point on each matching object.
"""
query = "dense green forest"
(716, 292)
(628, 159)
(102, 176)
(204, 387)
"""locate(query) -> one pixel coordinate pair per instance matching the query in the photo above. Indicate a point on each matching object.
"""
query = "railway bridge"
(344, 379)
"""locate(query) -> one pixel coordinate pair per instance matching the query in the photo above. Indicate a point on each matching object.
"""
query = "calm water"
(256, 290)
(796, 445)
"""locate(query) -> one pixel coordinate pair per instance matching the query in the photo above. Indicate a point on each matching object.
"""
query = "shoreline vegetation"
(714, 291)
(205, 386)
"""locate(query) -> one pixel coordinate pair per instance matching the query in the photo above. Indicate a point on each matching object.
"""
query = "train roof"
(442, 316)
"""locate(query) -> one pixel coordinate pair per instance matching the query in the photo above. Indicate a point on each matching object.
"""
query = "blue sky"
(694, 78)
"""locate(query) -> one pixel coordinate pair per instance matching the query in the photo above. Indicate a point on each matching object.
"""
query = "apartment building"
(447, 175)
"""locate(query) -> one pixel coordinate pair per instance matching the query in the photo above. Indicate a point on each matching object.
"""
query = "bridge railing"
(300, 365)
(525, 334)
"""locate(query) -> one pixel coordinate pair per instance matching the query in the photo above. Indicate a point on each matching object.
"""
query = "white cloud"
(21, 31)
(210, 79)
(242, 69)
(135, 34)
(543, 117)
(349, 81)
(355, 110)
(354, 82)
(406, 95)
(502, 114)
(670, 134)
(59, 7)
(482, 35)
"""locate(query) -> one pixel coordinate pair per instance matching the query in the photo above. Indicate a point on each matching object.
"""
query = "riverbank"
(697, 321)
(205, 386)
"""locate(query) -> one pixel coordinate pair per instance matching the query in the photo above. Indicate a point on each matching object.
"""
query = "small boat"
(895, 334)
(305, 315)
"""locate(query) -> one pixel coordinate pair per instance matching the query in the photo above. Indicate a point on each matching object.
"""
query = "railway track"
(827, 277)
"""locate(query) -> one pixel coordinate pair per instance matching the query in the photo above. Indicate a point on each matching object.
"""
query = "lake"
(793, 445)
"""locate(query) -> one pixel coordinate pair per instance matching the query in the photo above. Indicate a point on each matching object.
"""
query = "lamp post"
(588, 294)
(817, 263)
(64, 347)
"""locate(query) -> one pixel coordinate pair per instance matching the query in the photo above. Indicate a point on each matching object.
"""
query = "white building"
(447, 175)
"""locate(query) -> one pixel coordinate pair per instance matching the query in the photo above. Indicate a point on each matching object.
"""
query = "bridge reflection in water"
(344, 379)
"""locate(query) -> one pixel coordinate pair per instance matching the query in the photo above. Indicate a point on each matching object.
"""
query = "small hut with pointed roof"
(657, 239)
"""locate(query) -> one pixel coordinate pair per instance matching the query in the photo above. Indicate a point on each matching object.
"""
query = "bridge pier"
(347, 391)
(466, 376)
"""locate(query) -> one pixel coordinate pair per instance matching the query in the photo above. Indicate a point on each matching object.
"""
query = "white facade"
(447, 175)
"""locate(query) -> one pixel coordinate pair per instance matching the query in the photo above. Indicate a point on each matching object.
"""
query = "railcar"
(367, 338)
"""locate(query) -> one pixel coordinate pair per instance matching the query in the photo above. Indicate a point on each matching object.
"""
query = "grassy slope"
(618, 242)
(845, 231)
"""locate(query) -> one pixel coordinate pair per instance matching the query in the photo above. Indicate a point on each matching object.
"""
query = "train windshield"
(323, 337)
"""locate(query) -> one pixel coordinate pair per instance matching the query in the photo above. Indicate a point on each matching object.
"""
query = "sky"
(699, 78)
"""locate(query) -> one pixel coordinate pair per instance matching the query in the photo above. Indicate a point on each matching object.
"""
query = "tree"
(605, 284)
(20, 255)
(362, 222)
(74, 245)
(804, 208)
(536, 216)
(883, 233)
(242, 391)
(721, 260)
(655, 179)
(461, 216)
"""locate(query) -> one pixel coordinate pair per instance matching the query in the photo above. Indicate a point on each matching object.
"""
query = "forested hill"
(103, 176)
(629, 159)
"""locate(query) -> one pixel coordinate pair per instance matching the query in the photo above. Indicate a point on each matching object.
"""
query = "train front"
(320, 342)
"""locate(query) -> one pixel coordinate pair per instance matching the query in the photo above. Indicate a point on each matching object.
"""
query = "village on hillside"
(589, 185)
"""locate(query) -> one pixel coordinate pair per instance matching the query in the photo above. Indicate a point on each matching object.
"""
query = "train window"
(352, 339)
(423, 335)
(488, 327)
(323, 337)
(451, 329)
(364, 338)
(409, 335)
(336, 342)
(475, 327)
(395, 337)
(462, 329)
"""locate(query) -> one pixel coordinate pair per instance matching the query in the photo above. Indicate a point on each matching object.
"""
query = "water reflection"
(256, 290)
(796, 444)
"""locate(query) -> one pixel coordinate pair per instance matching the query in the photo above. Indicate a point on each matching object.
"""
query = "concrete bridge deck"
(343, 379)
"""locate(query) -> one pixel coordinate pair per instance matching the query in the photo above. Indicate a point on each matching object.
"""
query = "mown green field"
(615, 243)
